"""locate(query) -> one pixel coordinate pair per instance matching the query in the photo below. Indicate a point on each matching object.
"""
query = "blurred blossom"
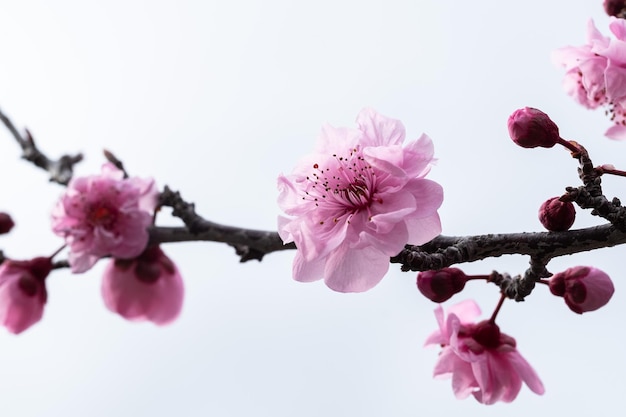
(596, 73)
(105, 215)
(146, 288)
(23, 292)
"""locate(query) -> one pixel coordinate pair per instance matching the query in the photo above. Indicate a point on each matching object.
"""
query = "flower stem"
(492, 319)
(569, 145)
(57, 251)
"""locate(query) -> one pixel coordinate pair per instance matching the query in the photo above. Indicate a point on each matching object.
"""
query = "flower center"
(347, 184)
(102, 216)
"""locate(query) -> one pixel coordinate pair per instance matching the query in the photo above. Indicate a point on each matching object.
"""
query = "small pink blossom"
(481, 360)
(145, 288)
(23, 292)
(584, 288)
(105, 215)
(596, 73)
(356, 201)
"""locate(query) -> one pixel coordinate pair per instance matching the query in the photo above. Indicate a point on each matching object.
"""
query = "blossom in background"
(148, 287)
(584, 288)
(596, 73)
(104, 215)
(481, 360)
(356, 201)
(23, 292)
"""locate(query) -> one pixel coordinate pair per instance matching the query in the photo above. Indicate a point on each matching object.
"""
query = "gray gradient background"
(215, 98)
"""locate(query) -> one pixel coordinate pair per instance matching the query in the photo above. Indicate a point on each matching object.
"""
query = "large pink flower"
(356, 201)
(23, 292)
(104, 215)
(596, 73)
(481, 360)
(146, 288)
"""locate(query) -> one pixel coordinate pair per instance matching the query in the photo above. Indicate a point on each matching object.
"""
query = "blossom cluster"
(100, 216)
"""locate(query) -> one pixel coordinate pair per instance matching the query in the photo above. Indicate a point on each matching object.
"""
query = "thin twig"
(60, 170)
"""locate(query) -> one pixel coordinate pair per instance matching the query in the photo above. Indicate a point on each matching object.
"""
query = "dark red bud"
(440, 285)
(615, 8)
(530, 128)
(487, 334)
(557, 285)
(556, 215)
(6, 223)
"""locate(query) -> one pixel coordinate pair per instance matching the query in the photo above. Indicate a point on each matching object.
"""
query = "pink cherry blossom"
(106, 214)
(23, 292)
(596, 73)
(146, 288)
(356, 201)
(481, 360)
(584, 288)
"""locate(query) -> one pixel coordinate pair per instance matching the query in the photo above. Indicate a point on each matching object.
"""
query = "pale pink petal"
(615, 81)
(380, 130)
(616, 132)
(308, 271)
(355, 270)
(423, 230)
(618, 28)
(526, 372)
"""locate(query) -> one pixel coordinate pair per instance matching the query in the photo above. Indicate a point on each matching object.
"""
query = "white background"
(214, 99)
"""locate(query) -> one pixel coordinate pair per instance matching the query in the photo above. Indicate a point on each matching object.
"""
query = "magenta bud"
(530, 128)
(584, 288)
(556, 215)
(615, 8)
(6, 223)
(440, 285)
(487, 334)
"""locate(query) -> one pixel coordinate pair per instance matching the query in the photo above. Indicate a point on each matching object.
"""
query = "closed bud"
(6, 223)
(615, 8)
(584, 288)
(440, 285)
(556, 215)
(530, 128)
(23, 292)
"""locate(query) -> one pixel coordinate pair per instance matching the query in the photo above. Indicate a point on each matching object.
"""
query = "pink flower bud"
(556, 215)
(145, 288)
(584, 288)
(615, 8)
(530, 128)
(23, 292)
(439, 286)
(6, 223)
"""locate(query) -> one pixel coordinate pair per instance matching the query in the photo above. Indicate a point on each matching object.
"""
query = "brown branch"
(248, 243)
(60, 170)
